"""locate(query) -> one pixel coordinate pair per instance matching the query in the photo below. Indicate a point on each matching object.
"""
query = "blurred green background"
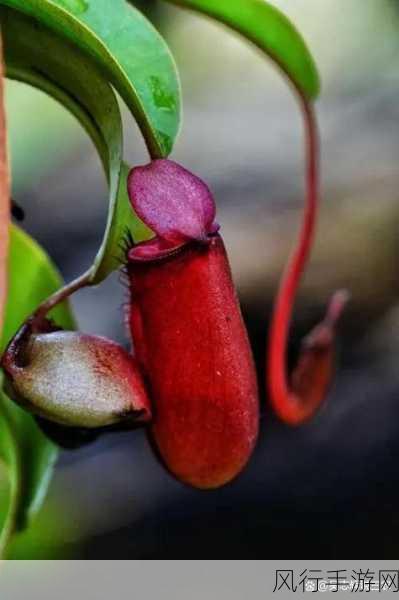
(328, 487)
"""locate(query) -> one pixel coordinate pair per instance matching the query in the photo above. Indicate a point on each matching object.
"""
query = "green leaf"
(27, 453)
(45, 538)
(38, 456)
(29, 458)
(31, 279)
(10, 455)
(271, 31)
(128, 50)
(37, 56)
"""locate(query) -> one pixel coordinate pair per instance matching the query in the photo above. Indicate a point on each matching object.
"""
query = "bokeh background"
(330, 488)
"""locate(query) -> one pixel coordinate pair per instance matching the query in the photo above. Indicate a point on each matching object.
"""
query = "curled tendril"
(297, 399)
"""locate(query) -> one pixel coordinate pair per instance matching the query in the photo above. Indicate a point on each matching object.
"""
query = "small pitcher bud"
(75, 379)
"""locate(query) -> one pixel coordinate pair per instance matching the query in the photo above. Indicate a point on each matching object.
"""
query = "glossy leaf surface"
(38, 57)
(270, 30)
(129, 51)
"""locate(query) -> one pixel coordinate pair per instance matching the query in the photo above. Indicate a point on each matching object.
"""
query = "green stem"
(61, 295)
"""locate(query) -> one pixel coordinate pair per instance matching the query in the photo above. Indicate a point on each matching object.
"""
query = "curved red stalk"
(296, 401)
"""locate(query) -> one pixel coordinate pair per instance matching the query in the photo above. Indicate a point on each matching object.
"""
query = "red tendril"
(297, 400)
